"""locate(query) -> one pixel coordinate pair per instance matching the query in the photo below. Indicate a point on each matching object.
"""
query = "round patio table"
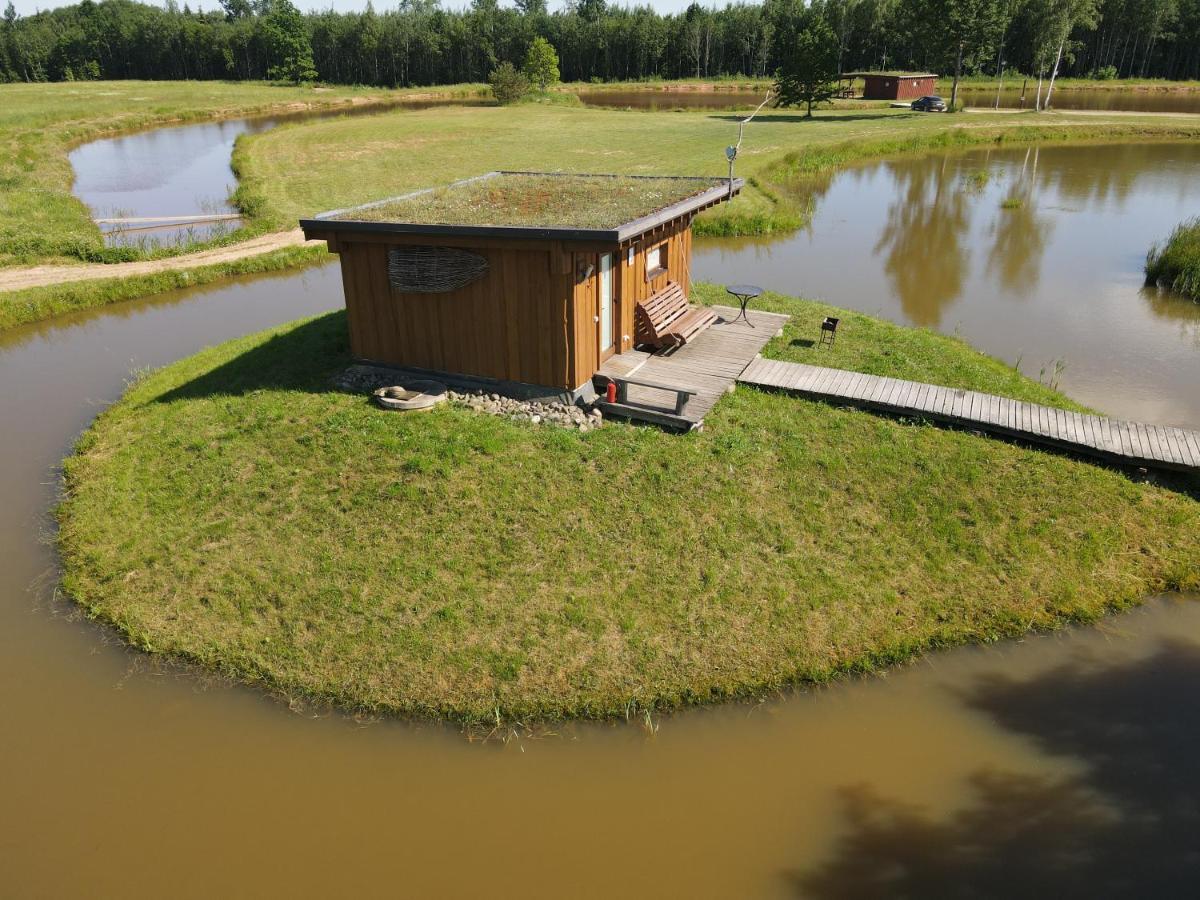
(744, 293)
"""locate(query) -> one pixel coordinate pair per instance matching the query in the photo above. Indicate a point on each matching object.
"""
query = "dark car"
(929, 104)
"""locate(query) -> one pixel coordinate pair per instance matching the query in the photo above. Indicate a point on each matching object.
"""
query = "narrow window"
(656, 261)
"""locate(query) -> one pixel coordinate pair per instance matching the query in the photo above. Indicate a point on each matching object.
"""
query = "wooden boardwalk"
(707, 366)
(1127, 443)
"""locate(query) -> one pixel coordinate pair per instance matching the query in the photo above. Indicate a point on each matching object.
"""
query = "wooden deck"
(709, 366)
(1126, 443)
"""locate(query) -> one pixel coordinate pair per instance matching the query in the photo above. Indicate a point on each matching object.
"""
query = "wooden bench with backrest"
(666, 319)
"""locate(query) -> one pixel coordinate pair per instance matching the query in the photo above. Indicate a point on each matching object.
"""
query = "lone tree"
(810, 65)
(508, 85)
(541, 63)
(288, 46)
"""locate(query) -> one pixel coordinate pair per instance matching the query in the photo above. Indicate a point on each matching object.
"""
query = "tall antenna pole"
(731, 151)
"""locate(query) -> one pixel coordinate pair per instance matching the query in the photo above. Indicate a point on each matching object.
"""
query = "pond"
(1022, 94)
(668, 100)
(1054, 281)
(183, 174)
(1060, 763)
(1067, 756)
(1161, 101)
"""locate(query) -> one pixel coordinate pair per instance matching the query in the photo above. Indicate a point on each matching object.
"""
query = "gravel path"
(16, 279)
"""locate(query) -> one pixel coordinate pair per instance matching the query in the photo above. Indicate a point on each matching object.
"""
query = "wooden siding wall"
(511, 324)
(629, 286)
(635, 287)
(893, 87)
(584, 341)
(912, 88)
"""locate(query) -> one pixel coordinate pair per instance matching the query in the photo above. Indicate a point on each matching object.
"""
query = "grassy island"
(235, 511)
(1175, 264)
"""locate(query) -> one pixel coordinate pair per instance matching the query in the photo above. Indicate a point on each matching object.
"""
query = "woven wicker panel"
(433, 270)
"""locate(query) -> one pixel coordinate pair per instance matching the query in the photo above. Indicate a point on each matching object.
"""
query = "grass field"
(297, 171)
(303, 168)
(40, 219)
(234, 511)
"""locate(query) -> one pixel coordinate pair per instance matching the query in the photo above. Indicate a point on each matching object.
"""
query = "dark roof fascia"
(846, 75)
(626, 232)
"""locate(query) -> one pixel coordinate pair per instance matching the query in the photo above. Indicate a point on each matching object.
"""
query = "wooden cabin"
(895, 85)
(523, 283)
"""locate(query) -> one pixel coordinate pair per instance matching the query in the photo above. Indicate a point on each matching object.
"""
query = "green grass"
(234, 511)
(35, 304)
(722, 84)
(529, 200)
(1175, 264)
(41, 220)
(294, 172)
(297, 170)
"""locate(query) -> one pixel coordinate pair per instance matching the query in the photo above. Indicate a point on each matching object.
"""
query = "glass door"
(606, 305)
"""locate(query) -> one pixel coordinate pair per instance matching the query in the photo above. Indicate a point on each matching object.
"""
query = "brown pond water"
(183, 171)
(1010, 98)
(925, 241)
(1067, 757)
(1062, 764)
(1117, 101)
(667, 100)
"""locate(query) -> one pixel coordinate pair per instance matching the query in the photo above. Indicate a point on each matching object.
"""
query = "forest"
(418, 42)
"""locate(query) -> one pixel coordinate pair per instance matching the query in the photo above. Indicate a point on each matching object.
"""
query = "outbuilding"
(895, 85)
(525, 282)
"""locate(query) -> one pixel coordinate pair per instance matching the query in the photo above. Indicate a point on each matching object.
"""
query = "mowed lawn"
(40, 218)
(312, 166)
(235, 511)
(298, 171)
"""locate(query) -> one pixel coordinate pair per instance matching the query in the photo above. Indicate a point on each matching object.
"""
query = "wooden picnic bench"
(666, 319)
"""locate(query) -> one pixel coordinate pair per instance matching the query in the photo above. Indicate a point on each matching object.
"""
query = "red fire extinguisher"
(610, 392)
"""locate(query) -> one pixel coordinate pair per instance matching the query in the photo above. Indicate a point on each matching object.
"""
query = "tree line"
(417, 42)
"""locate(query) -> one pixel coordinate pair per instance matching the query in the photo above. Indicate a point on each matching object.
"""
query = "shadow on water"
(302, 358)
(1126, 826)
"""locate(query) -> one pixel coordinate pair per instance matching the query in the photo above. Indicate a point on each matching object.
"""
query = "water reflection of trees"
(1175, 308)
(1113, 181)
(1019, 235)
(926, 239)
(1127, 827)
(927, 223)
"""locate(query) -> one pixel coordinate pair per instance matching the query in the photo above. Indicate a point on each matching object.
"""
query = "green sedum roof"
(889, 75)
(521, 199)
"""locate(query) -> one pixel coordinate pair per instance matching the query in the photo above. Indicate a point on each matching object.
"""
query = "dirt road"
(16, 279)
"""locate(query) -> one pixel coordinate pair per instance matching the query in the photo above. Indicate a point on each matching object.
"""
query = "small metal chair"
(828, 329)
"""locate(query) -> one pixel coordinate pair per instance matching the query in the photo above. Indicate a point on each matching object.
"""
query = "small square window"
(656, 261)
